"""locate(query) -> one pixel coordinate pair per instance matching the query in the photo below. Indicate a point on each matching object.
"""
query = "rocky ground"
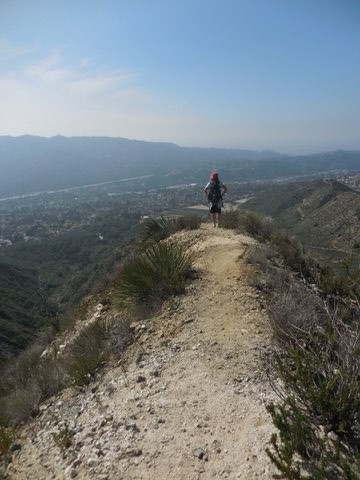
(186, 401)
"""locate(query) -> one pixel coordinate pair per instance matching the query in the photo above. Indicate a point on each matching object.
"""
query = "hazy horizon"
(303, 152)
(256, 75)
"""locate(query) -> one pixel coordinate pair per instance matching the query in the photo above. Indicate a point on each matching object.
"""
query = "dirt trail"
(189, 400)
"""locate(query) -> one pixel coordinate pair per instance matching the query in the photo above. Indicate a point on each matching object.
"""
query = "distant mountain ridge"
(31, 164)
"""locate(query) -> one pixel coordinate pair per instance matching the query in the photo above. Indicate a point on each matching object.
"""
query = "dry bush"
(268, 275)
(230, 219)
(21, 403)
(292, 252)
(257, 226)
(50, 376)
(87, 352)
(25, 386)
(345, 282)
(296, 312)
(187, 222)
(119, 331)
(18, 372)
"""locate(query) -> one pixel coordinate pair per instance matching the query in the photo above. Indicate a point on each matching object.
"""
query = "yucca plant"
(156, 229)
(154, 275)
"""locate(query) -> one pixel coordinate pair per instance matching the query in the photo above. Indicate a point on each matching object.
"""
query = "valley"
(58, 246)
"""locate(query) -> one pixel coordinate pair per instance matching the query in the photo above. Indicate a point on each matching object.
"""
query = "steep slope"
(323, 214)
(188, 399)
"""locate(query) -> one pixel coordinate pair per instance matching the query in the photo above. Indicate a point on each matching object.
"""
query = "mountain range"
(33, 164)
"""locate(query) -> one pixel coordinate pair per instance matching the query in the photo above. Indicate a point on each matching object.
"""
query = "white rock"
(92, 462)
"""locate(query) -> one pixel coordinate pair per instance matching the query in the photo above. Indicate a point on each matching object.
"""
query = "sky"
(255, 74)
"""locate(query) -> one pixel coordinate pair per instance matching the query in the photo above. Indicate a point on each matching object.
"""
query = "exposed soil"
(188, 399)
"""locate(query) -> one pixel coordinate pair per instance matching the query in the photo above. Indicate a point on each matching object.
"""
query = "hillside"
(33, 164)
(41, 280)
(188, 398)
(323, 214)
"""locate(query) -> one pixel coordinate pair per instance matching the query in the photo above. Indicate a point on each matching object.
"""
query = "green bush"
(297, 437)
(315, 364)
(156, 229)
(64, 437)
(152, 276)
(319, 370)
(6, 438)
(87, 352)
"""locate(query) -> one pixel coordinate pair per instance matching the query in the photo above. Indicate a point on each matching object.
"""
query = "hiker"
(214, 192)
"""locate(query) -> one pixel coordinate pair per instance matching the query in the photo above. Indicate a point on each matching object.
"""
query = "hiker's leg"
(213, 213)
(214, 218)
(217, 219)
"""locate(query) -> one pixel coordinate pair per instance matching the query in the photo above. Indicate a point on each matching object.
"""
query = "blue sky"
(258, 74)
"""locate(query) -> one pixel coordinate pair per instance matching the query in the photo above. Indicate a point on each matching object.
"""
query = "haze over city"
(256, 74)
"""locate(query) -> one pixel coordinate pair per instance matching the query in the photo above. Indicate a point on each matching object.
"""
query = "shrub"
(230, 219)
(187, 222)
(269, 274)
(17, 373)
(64, 437)
(6, 439)
(28, 382)
(156, 229)
(120, 332)
(50, 376)
(21, 403)
(346, 282)
(259, 227)
(316, 359)
(154, 275)
(295, 313)
(297, 437)
(87, 352)
(319, 369)
(292, 252)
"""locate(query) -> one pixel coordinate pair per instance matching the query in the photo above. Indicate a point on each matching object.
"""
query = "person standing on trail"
(214, 192)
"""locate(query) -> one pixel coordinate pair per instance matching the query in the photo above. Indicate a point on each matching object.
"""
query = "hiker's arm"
(224, 187)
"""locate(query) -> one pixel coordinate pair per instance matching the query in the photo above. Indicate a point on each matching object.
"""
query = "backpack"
(214, 195)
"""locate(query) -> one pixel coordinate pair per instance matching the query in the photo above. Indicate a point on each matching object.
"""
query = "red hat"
(214, 175)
